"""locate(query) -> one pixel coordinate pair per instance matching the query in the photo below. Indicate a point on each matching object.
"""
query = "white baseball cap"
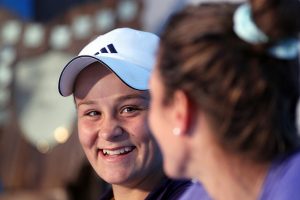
(129, 53)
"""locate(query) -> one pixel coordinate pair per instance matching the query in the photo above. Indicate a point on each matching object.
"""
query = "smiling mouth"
(115, 152)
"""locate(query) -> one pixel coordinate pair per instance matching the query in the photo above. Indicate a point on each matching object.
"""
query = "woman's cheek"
(141, 129)
(87, 133)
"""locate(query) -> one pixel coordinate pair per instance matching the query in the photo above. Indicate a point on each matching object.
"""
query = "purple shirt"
(283, 179)
(282, 182)
(195, 192)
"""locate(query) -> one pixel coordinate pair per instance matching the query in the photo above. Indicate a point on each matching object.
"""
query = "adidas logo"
(109, 49)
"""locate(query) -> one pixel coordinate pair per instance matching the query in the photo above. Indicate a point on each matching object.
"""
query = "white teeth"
(117, 151)
(128, 149)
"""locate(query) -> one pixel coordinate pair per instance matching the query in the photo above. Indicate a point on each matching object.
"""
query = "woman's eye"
(130, 109)
(93, 113)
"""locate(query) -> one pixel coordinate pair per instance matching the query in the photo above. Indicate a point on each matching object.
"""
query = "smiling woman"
(109, 82)
(113, 132)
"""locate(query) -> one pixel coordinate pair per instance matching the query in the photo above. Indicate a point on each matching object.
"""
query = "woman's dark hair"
(249, 96)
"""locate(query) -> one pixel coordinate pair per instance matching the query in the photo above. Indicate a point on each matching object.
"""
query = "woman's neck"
(233, 176)
(225, 175)
(121, 193)
(140, 190)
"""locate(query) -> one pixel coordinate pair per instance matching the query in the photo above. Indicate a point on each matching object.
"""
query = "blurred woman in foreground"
(224, 96)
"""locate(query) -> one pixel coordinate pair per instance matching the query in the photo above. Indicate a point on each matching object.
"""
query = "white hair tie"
(245, 28)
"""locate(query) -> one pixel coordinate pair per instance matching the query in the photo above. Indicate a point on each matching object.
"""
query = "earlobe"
(183, 113)
(176, 131)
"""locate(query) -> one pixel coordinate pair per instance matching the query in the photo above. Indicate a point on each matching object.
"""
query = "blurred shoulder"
(283, 179)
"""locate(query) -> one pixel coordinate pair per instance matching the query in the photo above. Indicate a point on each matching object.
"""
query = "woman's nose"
(110, 130)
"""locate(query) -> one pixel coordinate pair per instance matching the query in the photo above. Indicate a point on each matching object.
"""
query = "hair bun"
(277, 18)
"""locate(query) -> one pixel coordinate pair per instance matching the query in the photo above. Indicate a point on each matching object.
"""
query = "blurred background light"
(11, 31)
(61, 134)
(34, 35)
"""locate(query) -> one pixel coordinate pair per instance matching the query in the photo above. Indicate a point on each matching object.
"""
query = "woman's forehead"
(99, 86)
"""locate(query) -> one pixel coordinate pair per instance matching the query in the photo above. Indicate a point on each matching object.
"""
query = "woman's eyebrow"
(133, 96)
(89, 102)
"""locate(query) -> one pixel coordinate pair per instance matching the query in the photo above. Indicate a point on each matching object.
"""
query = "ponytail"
(284, 43)
(277, 18)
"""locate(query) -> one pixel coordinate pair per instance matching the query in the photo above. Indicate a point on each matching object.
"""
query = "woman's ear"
(183, 111)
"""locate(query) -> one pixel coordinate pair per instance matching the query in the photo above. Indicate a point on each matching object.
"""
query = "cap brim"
(131, 74)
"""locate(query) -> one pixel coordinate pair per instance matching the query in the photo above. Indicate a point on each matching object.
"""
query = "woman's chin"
(115, 179)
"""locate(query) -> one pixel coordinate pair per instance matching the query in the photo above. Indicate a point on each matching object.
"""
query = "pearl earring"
(176, 131)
